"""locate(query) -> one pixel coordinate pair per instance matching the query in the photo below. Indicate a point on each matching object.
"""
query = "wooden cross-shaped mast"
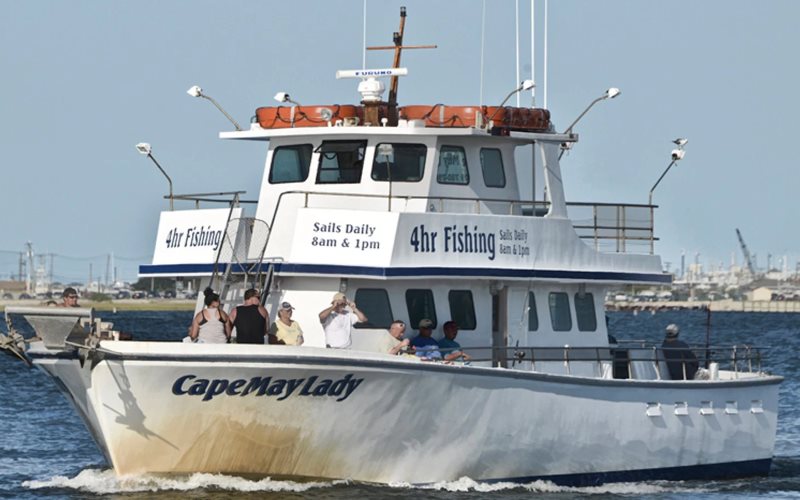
(398, 46)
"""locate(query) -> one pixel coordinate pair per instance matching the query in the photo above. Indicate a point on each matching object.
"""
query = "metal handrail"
(728, 357)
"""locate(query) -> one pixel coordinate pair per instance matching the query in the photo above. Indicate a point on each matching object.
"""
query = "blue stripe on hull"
(729, 470)
(410, 272)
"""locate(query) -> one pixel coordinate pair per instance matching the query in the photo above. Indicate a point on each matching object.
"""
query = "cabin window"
(403, 162)
(374, 303)
(420, 306)
(559, 312)
(462, 309)
(452, 166)
(290, 164)
(340, 162)
(492, 167)
(584, 312)
(533, 316)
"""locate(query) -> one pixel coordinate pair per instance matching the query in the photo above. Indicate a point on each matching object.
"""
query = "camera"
(677, 154)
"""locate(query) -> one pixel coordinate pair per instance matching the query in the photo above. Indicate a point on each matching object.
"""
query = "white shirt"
(337, 329)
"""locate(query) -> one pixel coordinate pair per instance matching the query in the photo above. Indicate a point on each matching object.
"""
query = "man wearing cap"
(338, 322)
(285, 330)
(678, 355)
(425, 345)
(250, 320)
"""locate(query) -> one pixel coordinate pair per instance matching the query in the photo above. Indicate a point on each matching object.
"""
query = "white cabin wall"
(309, 296)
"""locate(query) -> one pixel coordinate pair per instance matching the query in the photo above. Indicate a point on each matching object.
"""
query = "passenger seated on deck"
(394, 343)
(678, 355)
(426, 347)
(449, 347)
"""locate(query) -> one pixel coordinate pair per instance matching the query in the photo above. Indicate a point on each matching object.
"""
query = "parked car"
(139, 295)
(169, 294)
(7, 296)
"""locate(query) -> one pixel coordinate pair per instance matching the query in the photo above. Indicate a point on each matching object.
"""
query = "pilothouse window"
(462, 309)
(584, 312)
(452, 166)
(492, 168)
(403, 162)
(340, 162)
(374, 303)
(559, 312)
(420, 306)
(533, 317)
(290, 164)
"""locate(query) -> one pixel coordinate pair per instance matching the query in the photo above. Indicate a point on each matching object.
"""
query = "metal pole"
(171, 199)
(235, 124)
(650, 197)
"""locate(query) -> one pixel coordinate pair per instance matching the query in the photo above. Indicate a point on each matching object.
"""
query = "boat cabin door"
(499, 296)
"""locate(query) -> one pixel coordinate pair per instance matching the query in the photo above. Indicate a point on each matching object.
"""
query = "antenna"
(398, 47)
(533, 51)
(516, 38)
(544, 92)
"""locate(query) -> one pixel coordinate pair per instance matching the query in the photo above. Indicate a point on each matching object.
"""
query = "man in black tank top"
(250, 319)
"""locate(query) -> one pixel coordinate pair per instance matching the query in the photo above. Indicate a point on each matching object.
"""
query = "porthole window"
(584, 312)
(374, 303)
(420, 306)
(533, 316)
(492, 168)
(290, 164)
(559, 312)
(462, 309)
(452, 166)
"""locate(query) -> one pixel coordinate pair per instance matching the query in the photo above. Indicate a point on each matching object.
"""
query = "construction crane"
(746, 253)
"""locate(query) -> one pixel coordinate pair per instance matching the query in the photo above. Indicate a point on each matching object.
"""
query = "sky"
(84, 81)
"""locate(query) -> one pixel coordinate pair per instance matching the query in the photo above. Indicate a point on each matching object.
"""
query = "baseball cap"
(672, 330)
(287, 306)
(425, 323)
(338, 296)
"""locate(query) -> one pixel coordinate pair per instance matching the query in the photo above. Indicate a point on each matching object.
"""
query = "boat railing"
(623, 361)
(226, 197)
(611, 227)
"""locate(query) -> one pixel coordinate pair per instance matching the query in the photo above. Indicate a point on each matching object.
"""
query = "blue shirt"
(449, 346)
(426, 347)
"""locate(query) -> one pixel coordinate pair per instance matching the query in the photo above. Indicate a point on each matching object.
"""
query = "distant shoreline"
(119, 305)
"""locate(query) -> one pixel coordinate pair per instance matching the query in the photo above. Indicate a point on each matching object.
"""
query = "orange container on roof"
(305, 116)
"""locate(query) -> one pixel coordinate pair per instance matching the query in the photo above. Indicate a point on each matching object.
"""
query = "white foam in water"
(106, 481)
(466, 484)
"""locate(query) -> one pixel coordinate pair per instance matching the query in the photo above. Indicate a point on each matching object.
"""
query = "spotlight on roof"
(523, 85)
(284, 97)
(196, 91)
(144, 148)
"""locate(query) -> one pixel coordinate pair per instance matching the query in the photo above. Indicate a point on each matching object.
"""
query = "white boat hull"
(172, 408)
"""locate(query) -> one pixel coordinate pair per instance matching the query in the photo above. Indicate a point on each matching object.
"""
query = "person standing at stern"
(250, 319)
(209, 325)
(338, 322)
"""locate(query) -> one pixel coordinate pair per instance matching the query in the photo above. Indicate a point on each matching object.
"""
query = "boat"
(415, 213)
